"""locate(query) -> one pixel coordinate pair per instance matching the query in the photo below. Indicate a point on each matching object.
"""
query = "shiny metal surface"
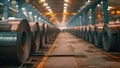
(15, 45)
(35, 37)
(109, 37)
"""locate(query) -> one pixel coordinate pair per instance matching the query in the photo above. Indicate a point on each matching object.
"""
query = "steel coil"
(15, 45)
(80, 32)
(42, 35)
(109, 37)
(47, 33)
(118, 37)
(4, 27)
(91, 34)
(98, 35)
(83, 32)
(35, 42)
(86, 33)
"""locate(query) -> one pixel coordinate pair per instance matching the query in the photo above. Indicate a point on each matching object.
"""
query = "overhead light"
(65, 4)
(24, 13)
(35, 16)
(23, 9)
(65, 10)
(90, 9)
(98, 5)
(110, 7)
(88, 0)
(39, 18)
(90, 17)
(47, 7)
(118, 12)
(66, 0)
(65, 7)
(42, 0)
(30, 12)
(45, 4)
(49, 10)
(16, 5)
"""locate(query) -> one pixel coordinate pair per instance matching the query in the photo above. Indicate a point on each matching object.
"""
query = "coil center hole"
(23, 41)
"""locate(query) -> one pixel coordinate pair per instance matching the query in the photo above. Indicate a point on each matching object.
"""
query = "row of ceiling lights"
(46, 5)
(65, 6)
(50, 10)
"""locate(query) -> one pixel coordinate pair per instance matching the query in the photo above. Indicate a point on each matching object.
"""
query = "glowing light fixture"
(39, 18)
(23, 9)
(30, 12)
(88, 0)
(90, 17)
(65, 4)
(110, 7)
(98, 5)
(45, 4)
(66, 0)
(49, 10)
(65, 7)
(47, 7)
(16, 5)
(42, 0)
(90, 9)
(35, 16)
(118, 12)
(65, 10)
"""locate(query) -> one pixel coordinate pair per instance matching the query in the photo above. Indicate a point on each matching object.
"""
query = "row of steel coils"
(106, 37)
(20, 38)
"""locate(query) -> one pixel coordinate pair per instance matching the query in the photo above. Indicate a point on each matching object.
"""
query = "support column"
(105, 14)
(86, 18)
(19, 9)
(93, 15)
(5, 9)
(80, 20)
(27, 10)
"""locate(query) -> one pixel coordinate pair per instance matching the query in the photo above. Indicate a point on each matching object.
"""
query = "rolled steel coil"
(47, 34)
(42, 35)
(4, 27)
(15, 45)
(98, 35)
(91, 34)
(35, 43)
(80, 32)
(118, 37)
(109, 37)
(86, 32)
(83, 32)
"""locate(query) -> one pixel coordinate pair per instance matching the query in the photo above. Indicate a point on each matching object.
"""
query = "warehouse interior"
(59, 33)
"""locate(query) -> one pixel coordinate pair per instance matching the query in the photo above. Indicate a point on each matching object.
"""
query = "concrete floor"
(90, 56)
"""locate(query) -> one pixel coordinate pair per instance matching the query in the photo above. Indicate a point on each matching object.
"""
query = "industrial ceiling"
(60, 11)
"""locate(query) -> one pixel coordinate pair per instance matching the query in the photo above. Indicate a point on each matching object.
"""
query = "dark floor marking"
(89, 51)
(109, 59)
(81, 56)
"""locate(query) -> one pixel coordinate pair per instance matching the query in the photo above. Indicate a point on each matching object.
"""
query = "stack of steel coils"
(15, 43)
